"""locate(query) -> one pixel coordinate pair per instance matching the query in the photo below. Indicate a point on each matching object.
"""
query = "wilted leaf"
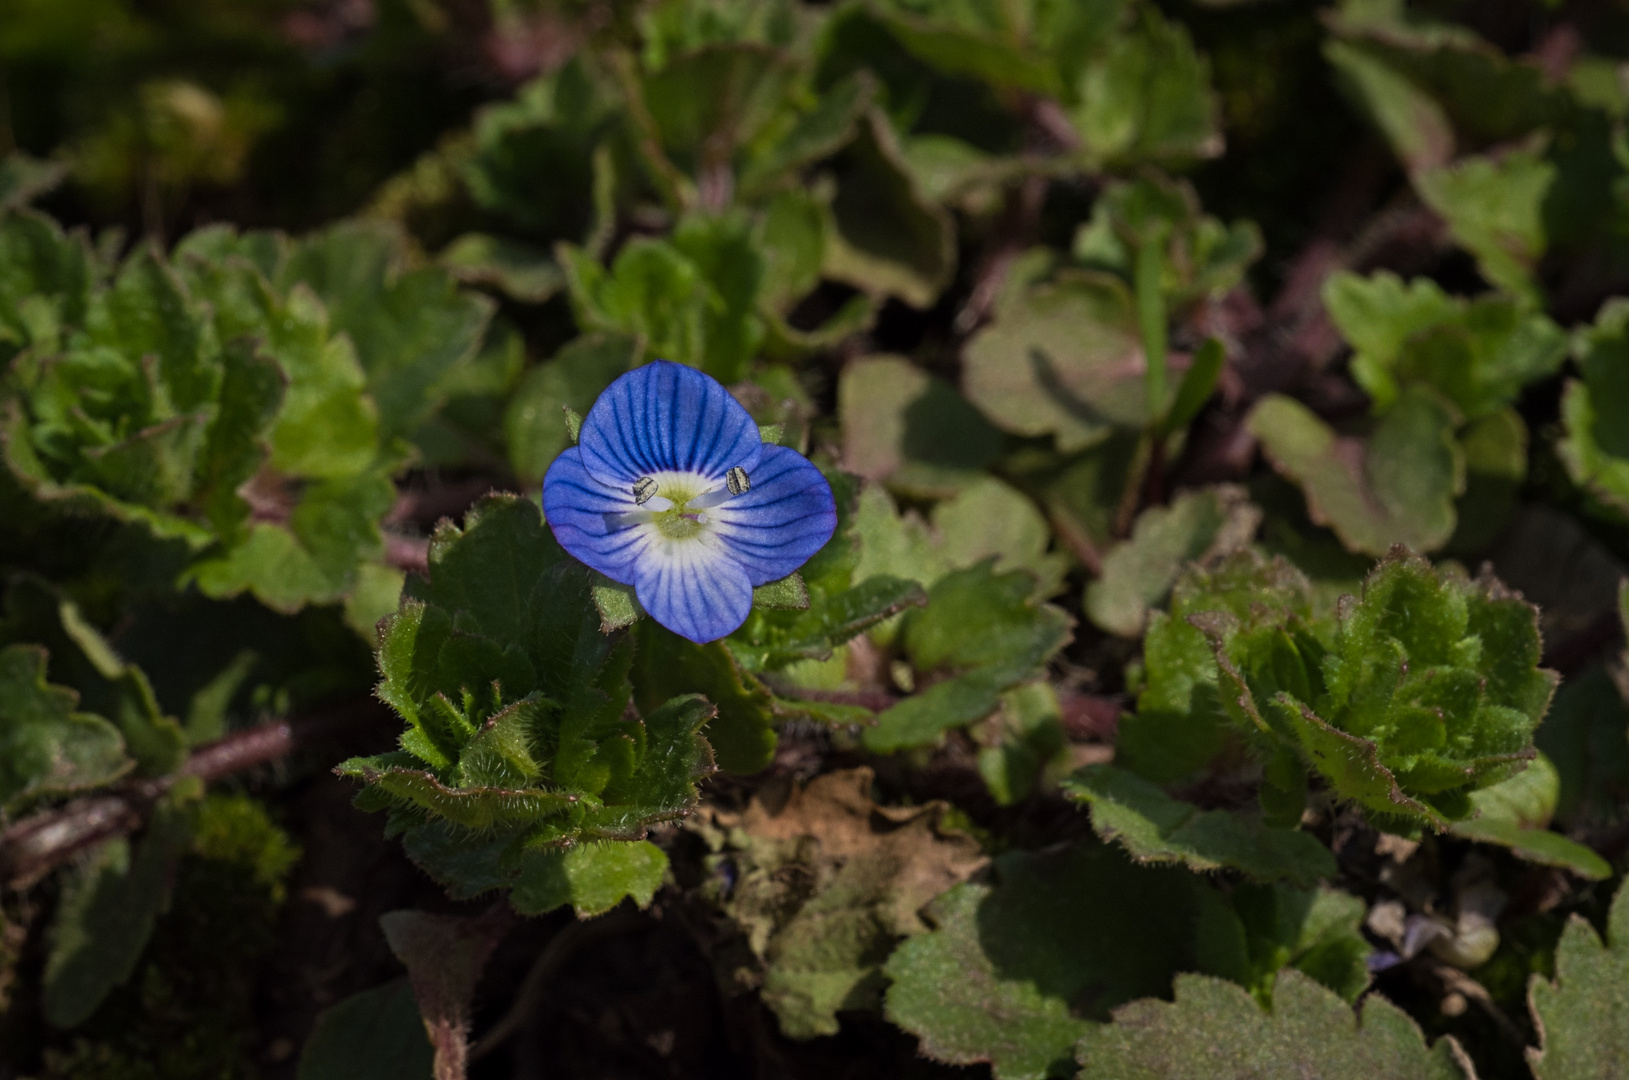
(1215, 1031)
(825, 882)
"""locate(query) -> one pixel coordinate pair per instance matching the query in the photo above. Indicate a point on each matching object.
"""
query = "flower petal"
(666, 417)
(786, 517)
(575, 505)
(693, 587)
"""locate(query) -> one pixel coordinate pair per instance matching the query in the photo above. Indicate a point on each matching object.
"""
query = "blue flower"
(669, 489)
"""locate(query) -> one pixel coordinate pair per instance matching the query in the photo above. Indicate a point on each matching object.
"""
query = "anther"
(736, 480)
(643, 489)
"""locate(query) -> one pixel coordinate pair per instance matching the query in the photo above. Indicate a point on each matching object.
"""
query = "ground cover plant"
(763, 538)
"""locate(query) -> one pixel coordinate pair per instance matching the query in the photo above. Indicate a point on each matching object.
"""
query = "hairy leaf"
(1582, 1016)
(1154, 827)
(1215, 1031)
(1017, 970)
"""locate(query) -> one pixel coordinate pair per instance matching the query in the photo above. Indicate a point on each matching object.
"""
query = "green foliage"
(249, 396)
(515, 704)
(1214, 1029)
(1137, 575)
(983, 631)
(1580, 1015)
(1015, 971)
(1154, 827)
(990, 259)
(1479, 354)
(1420, 692)
(1594, 448)
(1396, 485)
(50, 747)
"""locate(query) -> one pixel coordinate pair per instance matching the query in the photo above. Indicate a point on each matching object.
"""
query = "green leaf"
(519, 270)
(1022, 742)
(707, 103)
(1137, 575)
(1595, 450)
(107, 914)
(1063, 358)
(1215, 1031)
(1154, 827)
(591, 877)
(1201, 258)
(1197, 385)
(1514, 814)
(1016, 970)
(48, 746)
(986, 632)
(1396, 486)
(967, 41)
(728, 258)
(906, 426)
(818, 133)
(989, 518)
(1148, 98)
(742, 734)
(1495, 450)
(1257, 930)
(887, 239)
(1431, 690)
(787, 593)
(317, 557)
(693, 304)
(1478, 353)
(373, 1035)
(534, 425)
(1413, 122)
(410, 328)
(24, 179)
(517, 703)
(1582, 1016)
(1495, 209)
(774, 639)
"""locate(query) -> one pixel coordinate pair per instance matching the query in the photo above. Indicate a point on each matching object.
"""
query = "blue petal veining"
(683, 428)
